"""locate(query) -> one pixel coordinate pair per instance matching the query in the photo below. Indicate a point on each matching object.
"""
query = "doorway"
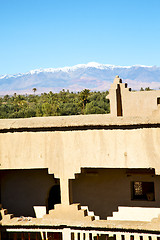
(54, 195)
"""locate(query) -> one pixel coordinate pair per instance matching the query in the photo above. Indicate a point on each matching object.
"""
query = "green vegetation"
(53, 104)
(146, 89)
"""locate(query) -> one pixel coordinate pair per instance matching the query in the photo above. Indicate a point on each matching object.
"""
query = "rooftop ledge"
(77, 121)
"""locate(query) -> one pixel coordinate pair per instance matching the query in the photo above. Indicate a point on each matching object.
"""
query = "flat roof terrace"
(78, 122)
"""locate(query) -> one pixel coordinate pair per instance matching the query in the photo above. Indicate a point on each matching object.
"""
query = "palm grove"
(54, 104)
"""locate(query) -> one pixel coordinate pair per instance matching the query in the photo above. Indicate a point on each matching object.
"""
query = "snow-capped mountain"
(93, 76)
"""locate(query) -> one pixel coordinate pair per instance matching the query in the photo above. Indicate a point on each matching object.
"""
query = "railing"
(79, 234)
(103, 235)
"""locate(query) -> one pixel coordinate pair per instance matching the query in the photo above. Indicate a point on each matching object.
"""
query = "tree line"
(54, 104)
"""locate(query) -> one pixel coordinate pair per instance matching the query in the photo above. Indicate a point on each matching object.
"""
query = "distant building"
(84, 177)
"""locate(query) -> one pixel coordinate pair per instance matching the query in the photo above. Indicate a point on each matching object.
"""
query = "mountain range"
(93, 76)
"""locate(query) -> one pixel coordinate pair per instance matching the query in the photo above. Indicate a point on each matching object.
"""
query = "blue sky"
(57, 33)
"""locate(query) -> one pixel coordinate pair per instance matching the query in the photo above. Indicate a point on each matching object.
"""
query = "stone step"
(157, 219)
(97, 217)
(8, 216)
(76, 208)
(90, 213)
(135, 214)
(72, 206)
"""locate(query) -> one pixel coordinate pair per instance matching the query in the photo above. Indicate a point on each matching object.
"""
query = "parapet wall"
(64, 148)
(124, 102)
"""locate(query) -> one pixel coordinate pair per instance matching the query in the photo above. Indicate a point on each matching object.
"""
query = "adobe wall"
(23, 189)
(102, 190)
(65, 152)
(129, 137)
(142, 103)
(133, 103)
(106, 189)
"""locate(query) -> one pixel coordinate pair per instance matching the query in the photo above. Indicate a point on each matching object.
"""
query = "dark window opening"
(143, 191)
(158, 100)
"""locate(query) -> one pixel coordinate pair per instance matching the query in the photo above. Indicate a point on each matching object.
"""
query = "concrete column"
(154, 237)
(94, 234)
(64, 184)
(43, 235)
(66, 234)
(81, 235)
(118, 236)
(110, 234)
(127, 236)
(87, 235)
(136, 237)
(145, 236)
(46, 235)
(76, 236)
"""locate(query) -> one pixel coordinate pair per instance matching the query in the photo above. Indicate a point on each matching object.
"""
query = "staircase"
(135, 214)
(90, 213)
(74, 212)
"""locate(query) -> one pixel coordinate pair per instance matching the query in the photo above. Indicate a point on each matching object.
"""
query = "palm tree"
(34, 90)
(84, 97)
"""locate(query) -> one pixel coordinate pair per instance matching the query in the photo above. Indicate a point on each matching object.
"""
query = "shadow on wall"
(54, 195)
(23, 189)
(103, 190)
